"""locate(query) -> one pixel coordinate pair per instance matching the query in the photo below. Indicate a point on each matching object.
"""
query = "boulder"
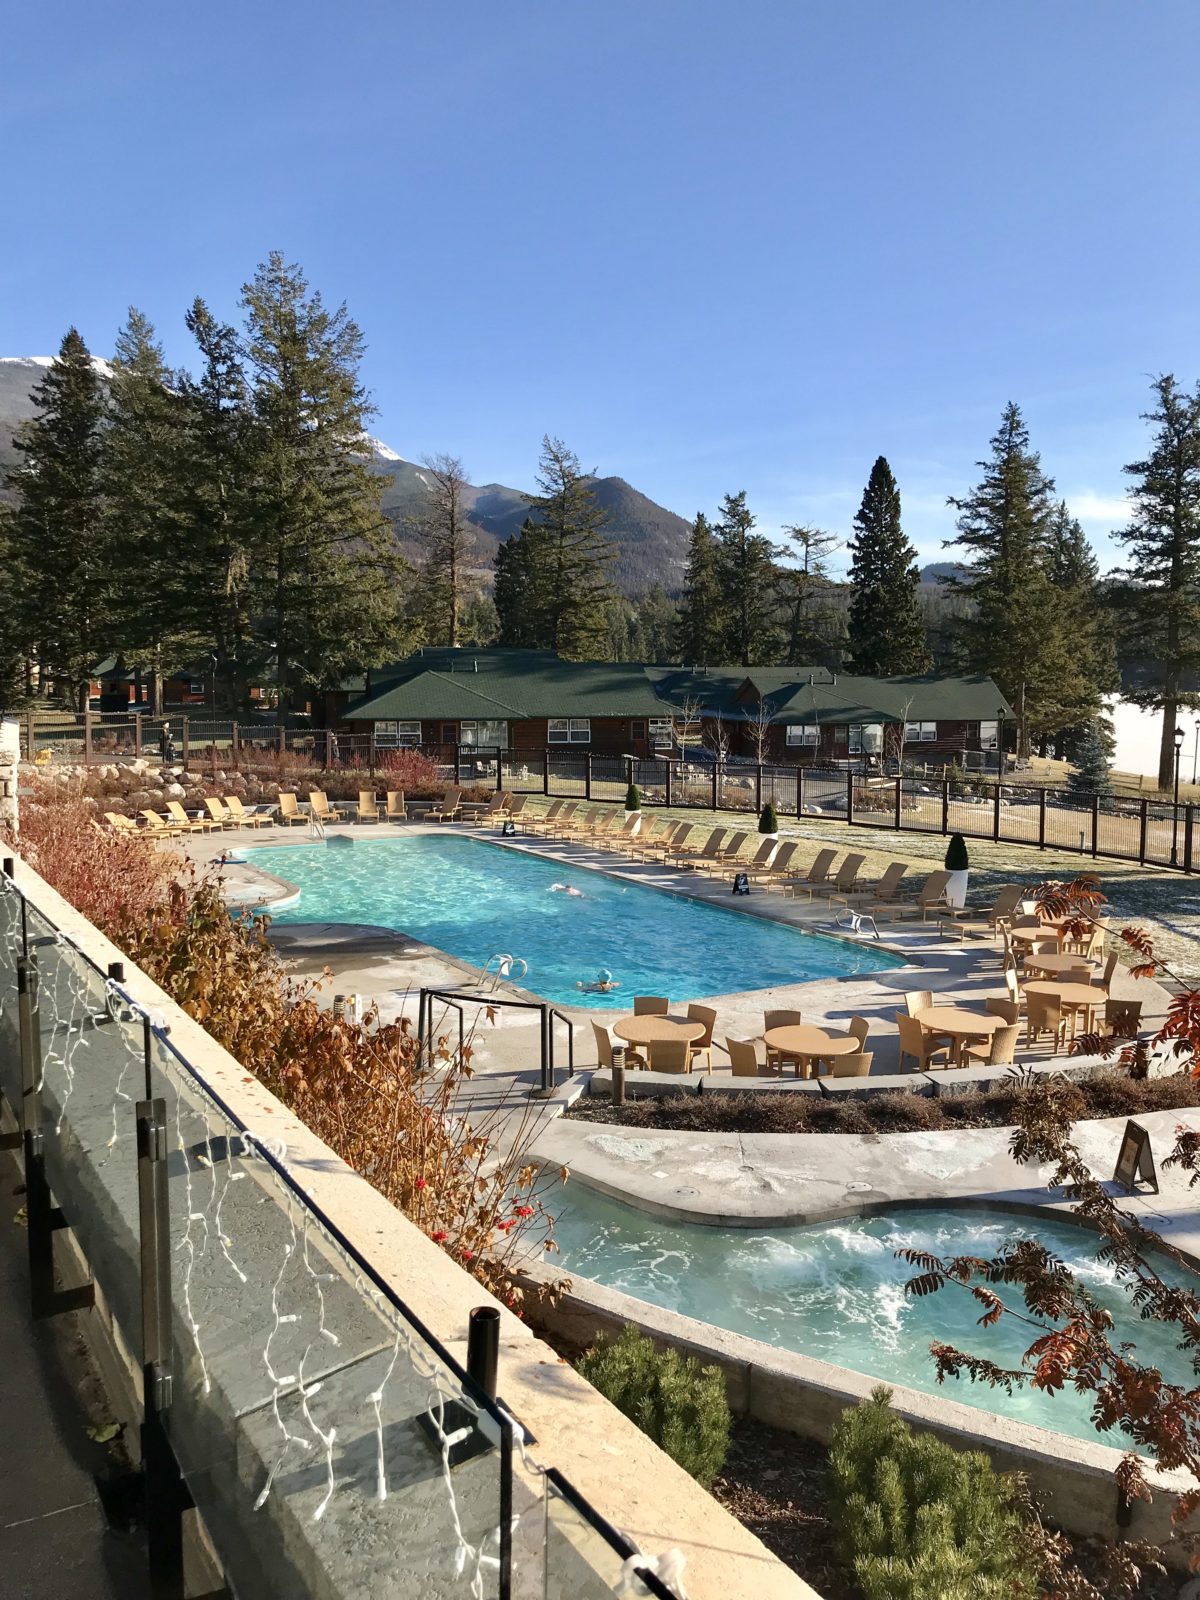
(174, 791)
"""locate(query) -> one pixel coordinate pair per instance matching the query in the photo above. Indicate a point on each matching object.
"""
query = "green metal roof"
(805, 694)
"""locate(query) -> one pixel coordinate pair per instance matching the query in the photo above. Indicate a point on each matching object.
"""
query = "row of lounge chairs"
(218, 816)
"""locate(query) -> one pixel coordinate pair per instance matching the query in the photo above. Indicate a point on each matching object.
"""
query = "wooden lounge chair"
(757, 866)
(1000, 1051)
(676, 841)
(703, 1045)
(395, 809)
(289, 811)
(930, 898)
(515, 811)
(670, 1055)
(1002, 910)
(855, 1066)
(535, 823)
(743, 1058)
(817, 874)
(480, 811)
(368, 806)
(123, 825)
(651, 1005)
(919, 1045)
(448, 811)
(882, 893)
(159, 826)
(244, 818)
(778, 870)
(732, 848)
(623, 835)
(177, 814)
(319, 807)
(699, 858)
(558, 825)
(843, 881)
(216, 813)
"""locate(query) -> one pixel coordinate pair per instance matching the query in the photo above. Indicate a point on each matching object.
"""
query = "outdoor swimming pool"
(835, 1291)
(474, 899)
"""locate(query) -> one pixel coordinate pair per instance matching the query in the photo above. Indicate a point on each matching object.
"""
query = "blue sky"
(713, 245)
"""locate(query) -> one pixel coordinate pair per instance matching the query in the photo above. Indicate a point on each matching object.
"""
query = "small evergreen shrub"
(768, 822)
(633, 798)
(918, 1520)
(673, 1400)
(957, 859)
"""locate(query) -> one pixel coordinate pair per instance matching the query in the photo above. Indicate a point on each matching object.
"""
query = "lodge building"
(516, 700)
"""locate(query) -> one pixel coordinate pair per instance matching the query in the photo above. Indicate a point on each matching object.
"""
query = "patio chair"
(189, 824)
(1010, 1010)
(1000, 1051)
(758, 864)
(516, 807)
(448, 811)
(855, 1066)
(859, 1027)
(919, 1045)
(683, 855)
(368, 806)
(680, 837)
(703, 1045)
(480, 811)
(1045, 1015)
(651, 1005)
(843, 880)
(882, 893)
(216, 813)
(776, 872)
(1104, 981)
(670, 1055)
(1122, 1018)
(654, 834)
(931, 896)
(396, 810)
(319, 807)
(124, 825)
(623, 837)
(732, 848)
(604, 1049)
(917, 1000)
(778, 1059)
(159, 826)
(816, 875)
(538, 824)
(288, 810)
(743, 1058)
(244, 818)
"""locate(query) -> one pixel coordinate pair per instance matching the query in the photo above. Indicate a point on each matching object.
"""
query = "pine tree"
(449, 542)
(11, 688)
(520, 591)
(886, 628)
(812, 627)
(1092, 773)
(1091, 671)
(572, 585)
(212, 593)
(1160, 603)
(746, 577)
(700, 628)
(324, 562)
(140, 474)
(58, 532)
(1016, 631)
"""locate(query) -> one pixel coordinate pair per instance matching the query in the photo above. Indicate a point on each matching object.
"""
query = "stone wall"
(10, 753)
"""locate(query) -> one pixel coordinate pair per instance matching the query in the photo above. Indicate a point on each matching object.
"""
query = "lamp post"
(999, 744)
(1195, 751)
(1175, 809)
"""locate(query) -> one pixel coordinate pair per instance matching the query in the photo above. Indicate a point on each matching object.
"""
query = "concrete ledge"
(643, 1085)
(758, 1086)
(876, 1083)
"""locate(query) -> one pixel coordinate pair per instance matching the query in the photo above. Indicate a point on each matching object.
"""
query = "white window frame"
(859, 746)
(397, 735)
(920, 732)
(569, 730)
(469, 735)
(805, 734)
(989, 734)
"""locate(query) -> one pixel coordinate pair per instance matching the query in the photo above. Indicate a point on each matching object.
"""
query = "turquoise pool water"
(835, 1291)
(474, 899)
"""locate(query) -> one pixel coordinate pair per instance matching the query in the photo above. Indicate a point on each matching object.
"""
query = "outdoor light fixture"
(1179, 736)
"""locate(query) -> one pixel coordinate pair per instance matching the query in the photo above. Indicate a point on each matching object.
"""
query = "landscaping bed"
(1108, 1094)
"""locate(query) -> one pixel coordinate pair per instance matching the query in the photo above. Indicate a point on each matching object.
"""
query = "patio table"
(651, 1029)
(959, 1025)
(806, 1043)
(1052, 965)
(1084, 997)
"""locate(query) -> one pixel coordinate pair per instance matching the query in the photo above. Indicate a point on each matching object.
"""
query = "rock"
(174, 791)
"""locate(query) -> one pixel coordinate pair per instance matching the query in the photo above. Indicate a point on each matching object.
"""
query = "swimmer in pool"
(602, 983)
(566, 888)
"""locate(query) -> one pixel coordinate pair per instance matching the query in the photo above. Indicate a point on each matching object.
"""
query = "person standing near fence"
(166, 746)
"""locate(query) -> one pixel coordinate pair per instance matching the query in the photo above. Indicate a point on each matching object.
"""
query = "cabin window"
(195, 688)
(391, 734)
(803, 733)
(866, 738)
(637, 730)
(484, 735)
(988, 732)
(920, 732)
(569, 730)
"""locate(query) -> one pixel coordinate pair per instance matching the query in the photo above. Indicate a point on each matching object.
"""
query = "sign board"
(741, 884)
(1135, 1161)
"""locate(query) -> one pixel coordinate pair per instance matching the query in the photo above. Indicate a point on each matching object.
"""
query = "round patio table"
(1084, 997)
(806, 1043)
(960, 1025)
(1052, 965)
(651, 1029)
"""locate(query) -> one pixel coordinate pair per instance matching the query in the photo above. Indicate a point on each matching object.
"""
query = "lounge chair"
(209, 824)
(560, 824)
(159, 826)
(217, 813)
(732, 848)
(123, 825)
(757, 866)
(743, 1058)
(515, 810)
(677, 839)
(319, 807)
(480, 811)
(843, 880)
(919, 1045)
(882, 893)
(707, 853)
(395, 808)
(244, 818)
(651, 1005)
(972, 926)
(703, 1045)
(534, 823)
(1000, 1051)
(368, 806)
(855, 1066)
(624, 834)
(817, 874)
(930, 897)
(670, 1055)
(448, 811)
(778, 870)
(289, 811)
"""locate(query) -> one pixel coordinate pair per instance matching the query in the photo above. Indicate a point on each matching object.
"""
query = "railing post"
(160, 1472)
(849, 794)
(499, 768)
(37, 1189)
(185, 743)
(281, 730)
(1095, 826)
(87, 738)
(458, 763)
(758, 788)
(799, 790)
(945, 804)
(714, 783)
(30, 735)
(899, 802)
(1143, 829)
(587, 776)
(546, 770)
(670, 778)
(137, 733)
(234, 741)
(1041, 819)
(996, 813)
(1188, 816)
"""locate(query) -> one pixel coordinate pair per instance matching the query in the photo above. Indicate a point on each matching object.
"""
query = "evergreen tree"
(700, 628)
(324, 563)
(449, 541)
(1091, 673)
(812, 625)
(140, 475)
(1092, 773)
(478, 623)
(886, 628)
(1160, 602)
(212, 592)
(58, 531)
(572, 587)
(657, 627)
(746, 578)
(1016, 630)
(520, 592)
(11, 687)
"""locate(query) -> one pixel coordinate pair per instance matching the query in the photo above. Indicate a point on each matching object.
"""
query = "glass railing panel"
(10, 951)
(585, 1558)
(298, 1389)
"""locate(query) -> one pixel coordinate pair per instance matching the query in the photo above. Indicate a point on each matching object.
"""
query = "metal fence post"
(1041, 819)
(1143, 829)
(30, 735)
(185, 743)
(234, 741)
(160, 1474)
(587, 776)
(37, 1190)
(137, 733)
(670, 776)
(1095, 825)
(945, 805)
(87, 738)
(282, 730)
(546, 771)
(458, 763)
(899, 801)
(714, 784)
(758, 788)
(849, 795)
(1188, 816)
(799, 790)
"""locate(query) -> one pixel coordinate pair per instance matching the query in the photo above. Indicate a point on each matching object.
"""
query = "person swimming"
(567, 888)
(602, 983)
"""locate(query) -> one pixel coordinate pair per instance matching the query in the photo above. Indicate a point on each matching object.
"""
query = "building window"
(662, 733)
(987, 735)
(391, 734)
(803, 733)
(866, 738)
(637, 730)
(195, 688)
(484, 735)
(569, 730)
(920, 732)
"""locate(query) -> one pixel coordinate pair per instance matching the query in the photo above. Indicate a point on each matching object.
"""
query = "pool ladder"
(505, 970)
